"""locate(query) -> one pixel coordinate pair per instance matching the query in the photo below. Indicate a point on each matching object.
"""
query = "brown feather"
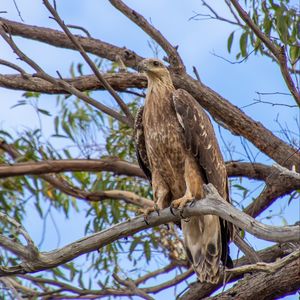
(176, 144)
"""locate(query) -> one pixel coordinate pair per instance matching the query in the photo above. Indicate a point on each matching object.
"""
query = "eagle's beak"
(142, 67)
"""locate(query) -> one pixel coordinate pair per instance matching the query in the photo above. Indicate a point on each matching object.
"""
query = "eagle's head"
(154, 70)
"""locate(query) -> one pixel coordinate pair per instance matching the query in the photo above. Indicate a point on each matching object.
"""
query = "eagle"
(178, 151)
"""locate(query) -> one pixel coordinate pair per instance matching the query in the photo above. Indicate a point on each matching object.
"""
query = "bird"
(177, 149)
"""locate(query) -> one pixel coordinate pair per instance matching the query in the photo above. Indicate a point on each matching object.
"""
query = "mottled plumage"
(178, 151)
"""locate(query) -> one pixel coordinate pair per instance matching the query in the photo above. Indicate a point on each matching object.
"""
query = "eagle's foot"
(147, 211)
(181, 202)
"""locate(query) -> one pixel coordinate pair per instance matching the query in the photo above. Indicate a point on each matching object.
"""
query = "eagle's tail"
(202, 237)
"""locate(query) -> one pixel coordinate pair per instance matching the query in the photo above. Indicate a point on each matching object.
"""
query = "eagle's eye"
(156, 63)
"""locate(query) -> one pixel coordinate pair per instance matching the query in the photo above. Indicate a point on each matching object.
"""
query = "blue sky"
(197, 41)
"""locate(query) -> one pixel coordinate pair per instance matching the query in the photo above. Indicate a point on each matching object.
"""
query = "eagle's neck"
(159, 90)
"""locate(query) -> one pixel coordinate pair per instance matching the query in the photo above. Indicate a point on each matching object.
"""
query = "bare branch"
(14, 67)
(246, 249)
(283, 282)
(115, 165)
(212, 204)
(59, 39)
(155, 273)
(279, 182)
(132, 287)
(119, 81)
(267, 267)
(80, 28)
(172, 282)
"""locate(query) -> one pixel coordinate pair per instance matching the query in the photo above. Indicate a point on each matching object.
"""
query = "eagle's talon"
(186, 220)
(146, 221)
(193, 202)
(147, 211)
(156, 209)
(171, 210)
(181, 213)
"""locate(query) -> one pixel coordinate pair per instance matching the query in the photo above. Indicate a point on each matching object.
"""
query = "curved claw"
(171, 210)
(181, 214)
(146, 221)
(156, 208)
(193, 202)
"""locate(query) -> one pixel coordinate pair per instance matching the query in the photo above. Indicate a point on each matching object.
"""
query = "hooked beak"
(142, 67)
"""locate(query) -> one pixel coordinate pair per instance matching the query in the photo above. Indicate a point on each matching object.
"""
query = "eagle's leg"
(194, 183)
(161, 195)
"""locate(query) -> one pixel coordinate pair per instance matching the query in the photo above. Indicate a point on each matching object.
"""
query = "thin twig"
(19, 12)
(14, 67)
(131, 286)
(80, 28)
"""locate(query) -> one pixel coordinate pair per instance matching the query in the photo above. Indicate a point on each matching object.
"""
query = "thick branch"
(119, 81)
(278, 184)
(267, 267)
(264, 285)
(115, 165)
(212, 204)
(200, 290)
(59, 39)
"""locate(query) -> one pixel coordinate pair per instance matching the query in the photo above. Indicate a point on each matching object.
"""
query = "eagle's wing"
(140, 146)
(201, 141)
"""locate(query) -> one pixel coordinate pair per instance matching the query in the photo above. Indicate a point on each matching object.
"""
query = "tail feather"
(202, 237)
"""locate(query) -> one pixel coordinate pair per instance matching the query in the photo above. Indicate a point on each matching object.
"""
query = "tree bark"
(199, 290)
(264, 286)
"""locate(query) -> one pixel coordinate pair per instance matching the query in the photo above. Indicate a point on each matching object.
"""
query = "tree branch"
(59, 39)
(199, 290)
(212, 204)
(115, 165)
(119, 81)
(267, 267)
(265, 285)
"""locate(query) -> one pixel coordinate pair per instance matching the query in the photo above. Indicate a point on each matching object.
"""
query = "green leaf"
(147, 251)
(294, 54)
(282, 28)
(20, 103)
(44, 112)
(243, 44)
(229, 41)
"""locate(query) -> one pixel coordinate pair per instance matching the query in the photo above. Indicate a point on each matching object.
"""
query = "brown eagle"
(178, 151)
